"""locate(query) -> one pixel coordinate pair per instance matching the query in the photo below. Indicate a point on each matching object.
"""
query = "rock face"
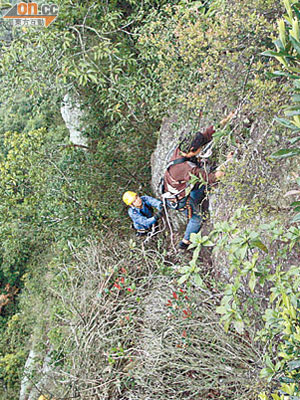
(72, 114)
(26, 383)
(37, 372)
(167, 143)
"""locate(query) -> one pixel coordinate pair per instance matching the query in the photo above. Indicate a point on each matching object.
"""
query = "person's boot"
(141, 234)
(183, 246)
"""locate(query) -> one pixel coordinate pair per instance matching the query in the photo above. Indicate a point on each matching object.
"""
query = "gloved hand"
(230, 155)
(228, 118)
(156, 224)
(219, 174)
(210, 130)
(160, 213)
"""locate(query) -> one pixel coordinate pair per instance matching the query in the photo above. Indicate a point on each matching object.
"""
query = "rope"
(169, 224)
(154, 232)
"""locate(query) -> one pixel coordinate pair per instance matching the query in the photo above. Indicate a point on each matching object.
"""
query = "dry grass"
(154, 342)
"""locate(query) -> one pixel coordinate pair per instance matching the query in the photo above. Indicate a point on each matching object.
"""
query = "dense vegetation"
(103, 316)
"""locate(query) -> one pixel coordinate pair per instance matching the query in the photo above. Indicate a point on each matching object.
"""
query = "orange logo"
(31, 11)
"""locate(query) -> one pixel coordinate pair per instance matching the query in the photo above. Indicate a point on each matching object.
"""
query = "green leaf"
(93, 78)
(183, 279)
(287, 123)
(294, 107)
(293, 365)
(297, 12)
(273, 296)
(263, 396)
(292, 111)
(259, 244)
(296, 218)
(286, 380)
(295, 139)
(184, 270)
(295, 44)
(208, 243)
(221, 310)
(275, 396)
(285, 153)
(295, 204)
(198, 281)
(239, 326)
(269, 363)
(252, 282)
(270, 53)
(266, 373)
(281, 73)
(278, 43)
(243, 251)
(296, 98)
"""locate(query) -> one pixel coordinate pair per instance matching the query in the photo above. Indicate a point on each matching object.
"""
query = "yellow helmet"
(129, 197)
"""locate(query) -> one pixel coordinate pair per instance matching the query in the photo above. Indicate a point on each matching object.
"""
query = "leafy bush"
(111, 325)
(209, 62)
(261, 263)
(288, 53)
(115, 326)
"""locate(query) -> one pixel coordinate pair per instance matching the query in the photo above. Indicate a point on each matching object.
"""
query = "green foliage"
(11, 367)
(257, 268)
(191, 273)
(296, 204)
(13, 353)
(288, 51)
(288, 54)
(52, 192)
(199, 61)
(90, 50)
(130, 63)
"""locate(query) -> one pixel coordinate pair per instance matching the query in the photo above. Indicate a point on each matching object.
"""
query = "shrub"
(116, 327)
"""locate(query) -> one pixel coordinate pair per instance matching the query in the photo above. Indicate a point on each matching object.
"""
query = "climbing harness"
(172, 194)
(187, 207)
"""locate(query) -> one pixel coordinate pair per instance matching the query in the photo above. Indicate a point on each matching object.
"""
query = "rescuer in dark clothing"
(176, 181)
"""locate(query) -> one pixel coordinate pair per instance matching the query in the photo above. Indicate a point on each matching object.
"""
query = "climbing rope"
(154, 232)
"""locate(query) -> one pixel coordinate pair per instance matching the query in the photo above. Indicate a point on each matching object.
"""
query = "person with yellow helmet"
(141, 211)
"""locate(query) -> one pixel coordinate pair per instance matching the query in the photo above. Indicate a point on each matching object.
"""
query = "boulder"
(166, 144)
(72, 114)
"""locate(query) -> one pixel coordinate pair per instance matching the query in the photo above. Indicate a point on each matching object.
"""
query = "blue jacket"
(142, 218)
